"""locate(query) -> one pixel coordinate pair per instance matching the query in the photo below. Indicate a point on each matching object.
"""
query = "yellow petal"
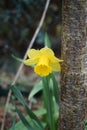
(32, 53)
(30, 61)
(47, 51)
(56, 67)
(55, 60)
(60, 60)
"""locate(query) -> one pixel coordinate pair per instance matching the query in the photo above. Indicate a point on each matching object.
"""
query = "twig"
(25, 56)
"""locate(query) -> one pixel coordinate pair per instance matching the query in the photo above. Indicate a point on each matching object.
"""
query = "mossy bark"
(73, 91)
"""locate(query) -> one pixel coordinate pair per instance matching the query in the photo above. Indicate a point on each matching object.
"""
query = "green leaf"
(29, 123)
(47, 41)
(40, 112)
(34, 117)
(36, 89)
(55, 110)
(19, 125)
(22, 125)
(24, 121)
(19, 96)
(55, 88)
(16, 58)
(86, 124)
(48, 102)
(13, 125)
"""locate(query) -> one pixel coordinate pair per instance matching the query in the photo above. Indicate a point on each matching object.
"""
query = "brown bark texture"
(73, 90)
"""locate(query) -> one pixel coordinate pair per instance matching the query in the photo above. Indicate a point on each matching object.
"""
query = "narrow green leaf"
(14, 122)
(17, 58)
(34, 117)
(86, 124)
(40, 112)
(25, 122)
(55, 110)
(18, 94)
(55, 88)
(20, 125)
(48, 101)
(47, 41)
(35, 90)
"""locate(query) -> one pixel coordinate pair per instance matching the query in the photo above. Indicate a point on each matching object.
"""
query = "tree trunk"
(86, 46)
(73, 97)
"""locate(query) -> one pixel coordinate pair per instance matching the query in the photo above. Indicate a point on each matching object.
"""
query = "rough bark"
(73, 97)
(86, 44)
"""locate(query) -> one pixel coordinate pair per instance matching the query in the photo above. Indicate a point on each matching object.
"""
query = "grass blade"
(55, 88)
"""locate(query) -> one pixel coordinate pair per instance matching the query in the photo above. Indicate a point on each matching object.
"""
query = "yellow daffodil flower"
(44, 60)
